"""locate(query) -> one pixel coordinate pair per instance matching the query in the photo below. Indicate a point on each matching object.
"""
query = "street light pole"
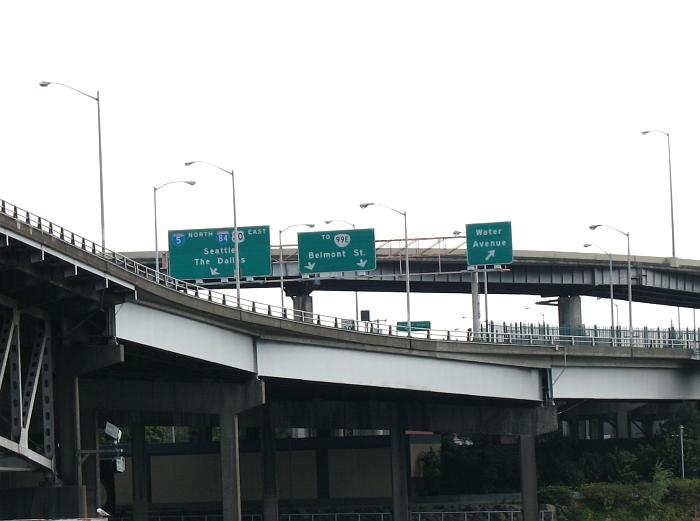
(155, 218)
(235, 224)
(629, 271)
(99, 145)
(681, 428)
(474, 285)
(357, 304)
(408, 273)
(538, 311)
(281, 260)
(670, 186)
(612, 314)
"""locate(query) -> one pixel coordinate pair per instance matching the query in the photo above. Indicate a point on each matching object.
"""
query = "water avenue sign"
(334, 251)
(210, 253)
(489, 243)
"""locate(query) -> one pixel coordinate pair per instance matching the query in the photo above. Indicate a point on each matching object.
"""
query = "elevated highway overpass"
(438, 265)
(91, 335)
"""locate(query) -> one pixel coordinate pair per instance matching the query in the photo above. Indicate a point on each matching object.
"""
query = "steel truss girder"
(23, 395)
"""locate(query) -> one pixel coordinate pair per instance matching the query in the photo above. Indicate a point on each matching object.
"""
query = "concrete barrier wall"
(187, 478)
(359, 473)
(196, 478)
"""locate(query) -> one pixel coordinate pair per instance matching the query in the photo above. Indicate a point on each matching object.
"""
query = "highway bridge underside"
(136, 386)
(233, 403)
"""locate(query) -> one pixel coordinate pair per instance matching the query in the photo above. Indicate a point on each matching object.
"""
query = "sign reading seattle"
(210, 253)
(489, 243)
(335, 251)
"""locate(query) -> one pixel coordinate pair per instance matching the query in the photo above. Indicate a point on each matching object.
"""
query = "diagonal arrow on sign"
(491, 255)
(362, 263)
(310, 265)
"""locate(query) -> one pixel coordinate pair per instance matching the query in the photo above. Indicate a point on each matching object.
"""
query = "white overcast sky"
(456, 111)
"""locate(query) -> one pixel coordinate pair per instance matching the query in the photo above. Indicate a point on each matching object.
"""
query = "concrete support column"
(68, 415)
(570, 318)
(91, 466)
(267, 447)
(528, 478)
(303, 307)
(399, 466)
(230, 468)
(323, 489)
(139, 470)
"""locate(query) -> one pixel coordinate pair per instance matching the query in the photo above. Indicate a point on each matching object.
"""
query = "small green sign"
(422, 325)
(489, 243)
(210, 253)
(336, 251)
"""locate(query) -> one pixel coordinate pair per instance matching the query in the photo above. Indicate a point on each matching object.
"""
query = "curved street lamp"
(281, 260)
(357, 305)
(235, 223)
(612, 314)
(408, 281)
(670, 185)
(99, 144)
(629, 270)
(536, 311)
(155, 216)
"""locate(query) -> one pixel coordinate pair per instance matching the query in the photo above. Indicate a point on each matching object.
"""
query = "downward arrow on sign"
(310, 265)
(362, 263)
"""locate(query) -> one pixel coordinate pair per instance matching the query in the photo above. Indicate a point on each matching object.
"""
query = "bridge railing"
(492, 333)
(463, 515)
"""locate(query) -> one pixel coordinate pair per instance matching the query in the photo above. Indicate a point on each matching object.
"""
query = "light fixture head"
(456, 232)
(44, 84)
(594, 226)
(311, 225)
(189, 163)
(645, 132)
(365, 205)
(587, 245)
(328, 222)
(191, 183)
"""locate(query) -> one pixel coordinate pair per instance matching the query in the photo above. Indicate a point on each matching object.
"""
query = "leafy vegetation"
(612, 480)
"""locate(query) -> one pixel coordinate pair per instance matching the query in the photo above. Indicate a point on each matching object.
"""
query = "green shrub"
(685, 492)
(607, 496)
(556, 495)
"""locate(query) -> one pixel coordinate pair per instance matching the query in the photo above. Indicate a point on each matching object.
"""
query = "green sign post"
(489, 243)
(423, 325)
(210, 253)
(335, 251)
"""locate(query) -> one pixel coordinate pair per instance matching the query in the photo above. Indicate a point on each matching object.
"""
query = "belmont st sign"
(489, 243)
(336, 251)
(210, 253)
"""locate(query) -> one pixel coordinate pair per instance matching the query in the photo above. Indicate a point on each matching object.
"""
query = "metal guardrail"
(471, 515)
(496, 334)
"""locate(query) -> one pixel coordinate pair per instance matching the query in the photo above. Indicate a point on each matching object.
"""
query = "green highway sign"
(423, 325)
(489, 243)
(335, 251)
(210, 253)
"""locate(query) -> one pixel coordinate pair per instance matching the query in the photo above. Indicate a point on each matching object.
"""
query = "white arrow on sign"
(310, 265)
(214, 271)
(362, 263)
(491, 255)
